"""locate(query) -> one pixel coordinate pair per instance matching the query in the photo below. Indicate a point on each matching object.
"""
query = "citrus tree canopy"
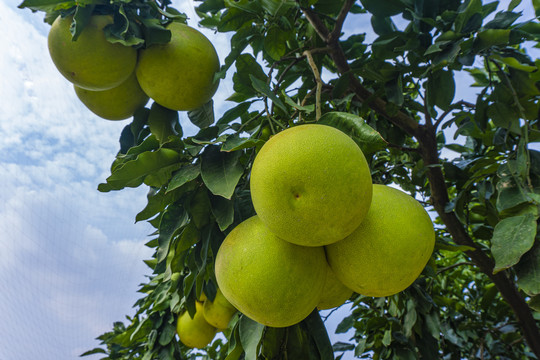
(441, 97)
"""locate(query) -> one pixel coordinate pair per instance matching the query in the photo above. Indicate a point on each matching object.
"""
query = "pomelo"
(311, 185)
(91, 62)
(195, 332)
(389, 250)
(179, 75)
(272, 281)
(118, 103)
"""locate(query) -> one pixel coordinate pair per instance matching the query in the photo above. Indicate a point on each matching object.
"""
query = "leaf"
(367, 138)
(80, 19)
(528, 272)
(202, 117)
(235, 142)
(345, 325)
(174, 218)
(512, 237)
(46, 5)
(167, 334)
(534, 303)
(234, 113)
(341, 346)
(264, 89)
(132, 173)
(275, 42)
(250, 336)
(383, 8)
(441, 88)
(318, 332)
(223, 211)
(221, 171)
(184, 175)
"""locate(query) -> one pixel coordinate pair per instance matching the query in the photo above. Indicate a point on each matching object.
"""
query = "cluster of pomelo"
(210, 317)
(322, 231)
(114, 80)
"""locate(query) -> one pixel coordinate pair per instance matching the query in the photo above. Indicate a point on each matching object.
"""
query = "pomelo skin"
(219, 312)
(334, 292)
(195, 332)
(179, 75)
(389, 250)
(91, 62)
(118, 103)
(311, 185)
(270, 280)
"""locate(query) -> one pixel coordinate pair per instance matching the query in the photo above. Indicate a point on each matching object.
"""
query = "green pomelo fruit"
(219, 312)
(180, 74)
(272, 281)
(335, 293)
(118, 103)
(311, 185)
(195, 332)
(91, 62)
(389, 250)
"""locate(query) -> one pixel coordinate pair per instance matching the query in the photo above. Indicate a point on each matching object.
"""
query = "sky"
(70, 256)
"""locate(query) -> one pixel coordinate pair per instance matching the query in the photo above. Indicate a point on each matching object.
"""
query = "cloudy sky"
(70, 256)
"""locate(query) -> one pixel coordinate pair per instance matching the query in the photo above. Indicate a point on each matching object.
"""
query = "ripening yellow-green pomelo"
(272, 281)
(179, 74)
(195, 332)
(335, 293)
(118, 103)
(311, 185)
(91, 62)
(219, 312)
(389, 250)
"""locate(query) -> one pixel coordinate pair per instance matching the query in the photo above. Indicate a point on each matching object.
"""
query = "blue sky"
(70, 256)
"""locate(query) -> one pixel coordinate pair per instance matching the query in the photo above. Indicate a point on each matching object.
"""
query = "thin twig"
(447, 112)
(319, 82)
(450, 267)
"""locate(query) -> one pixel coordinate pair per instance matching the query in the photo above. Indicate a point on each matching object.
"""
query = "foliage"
(397, 96)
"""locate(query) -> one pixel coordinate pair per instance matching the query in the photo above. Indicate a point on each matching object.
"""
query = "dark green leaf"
(235, 142)
(184, 175)
(528, 272)
(345, 325)
(317, 330)
(341, 346)
(132, 173)
(174, 218)
(250, 336)
(364, 135)
(512, 238)
(167, 334)
(203, 117)
(221, 170)
(441, 89)
(384, 9)
(264, 89)
(223, 211)
(80, 20)
(47, 5)
(275, 42)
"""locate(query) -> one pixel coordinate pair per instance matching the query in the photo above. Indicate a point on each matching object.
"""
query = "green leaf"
(167, 334)
(383, 8)
(367, 138)
(528, 272)
(441, 89)
(47, 5)
(174, 218)
(275, 42)
(234, 113)
(235, 142)
(512, 237)
(264, 89)
(250, 336)
(536, 5)
(221, 171)
(132, 173)
(534, 303)
(318, 332)
(184, 175)
(203, 117)
(345, 325)
(80, 20)
(223, 211)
